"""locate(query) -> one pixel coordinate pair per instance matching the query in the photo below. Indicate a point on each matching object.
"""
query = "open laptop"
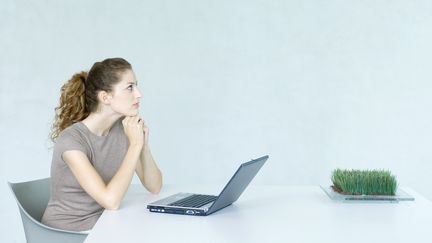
(202, 205)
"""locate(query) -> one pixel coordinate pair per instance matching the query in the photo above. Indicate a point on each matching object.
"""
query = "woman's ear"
(104, 97)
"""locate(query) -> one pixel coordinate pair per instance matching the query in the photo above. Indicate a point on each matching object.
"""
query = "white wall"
(314, 84)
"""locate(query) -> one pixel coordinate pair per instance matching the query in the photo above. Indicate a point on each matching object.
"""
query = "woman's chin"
(132, 113)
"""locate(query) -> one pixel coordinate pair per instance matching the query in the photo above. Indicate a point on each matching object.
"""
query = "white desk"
(268, 214)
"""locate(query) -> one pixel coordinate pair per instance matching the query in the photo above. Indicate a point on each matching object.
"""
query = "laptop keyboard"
(194, 201)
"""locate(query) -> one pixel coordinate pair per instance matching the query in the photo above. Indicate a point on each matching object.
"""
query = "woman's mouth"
(136, 105)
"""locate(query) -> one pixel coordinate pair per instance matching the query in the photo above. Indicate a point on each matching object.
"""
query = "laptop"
(203, 205)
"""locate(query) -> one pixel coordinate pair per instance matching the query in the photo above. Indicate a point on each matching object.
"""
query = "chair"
(32, 198)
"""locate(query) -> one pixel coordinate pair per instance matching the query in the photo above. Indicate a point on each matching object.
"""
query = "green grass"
(364, 182)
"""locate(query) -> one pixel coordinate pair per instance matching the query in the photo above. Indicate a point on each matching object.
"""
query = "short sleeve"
(70, 140)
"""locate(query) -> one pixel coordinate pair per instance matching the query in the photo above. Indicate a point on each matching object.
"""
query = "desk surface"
(267, 214)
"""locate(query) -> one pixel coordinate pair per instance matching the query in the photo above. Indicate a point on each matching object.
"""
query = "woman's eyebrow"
(130, 82)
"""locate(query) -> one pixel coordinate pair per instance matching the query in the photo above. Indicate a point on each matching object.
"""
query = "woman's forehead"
(127, 77)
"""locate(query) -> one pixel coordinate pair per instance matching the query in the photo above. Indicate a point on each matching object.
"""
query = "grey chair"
(32, 198)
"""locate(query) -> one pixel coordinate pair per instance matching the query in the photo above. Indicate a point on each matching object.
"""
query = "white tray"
(400, 196)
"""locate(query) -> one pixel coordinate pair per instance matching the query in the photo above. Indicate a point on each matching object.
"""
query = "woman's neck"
(100, 124)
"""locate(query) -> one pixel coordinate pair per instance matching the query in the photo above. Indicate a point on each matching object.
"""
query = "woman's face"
(125, 95)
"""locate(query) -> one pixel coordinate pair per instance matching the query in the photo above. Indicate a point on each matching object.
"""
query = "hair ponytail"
(72, 107)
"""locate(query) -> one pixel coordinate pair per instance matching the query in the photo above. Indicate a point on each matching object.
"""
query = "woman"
(100, 141)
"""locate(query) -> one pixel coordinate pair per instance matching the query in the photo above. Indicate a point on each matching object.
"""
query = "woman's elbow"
(155, 191)
(155, 188)
(112, 207)
(111, 204)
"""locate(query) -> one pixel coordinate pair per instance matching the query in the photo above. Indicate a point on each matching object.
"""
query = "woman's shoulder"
(73, 132)
(72, 138)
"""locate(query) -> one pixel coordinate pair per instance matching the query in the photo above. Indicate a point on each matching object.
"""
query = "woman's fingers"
(125, 121)
(131, 120)
(141, 123)
(135, 122)
(133, 127)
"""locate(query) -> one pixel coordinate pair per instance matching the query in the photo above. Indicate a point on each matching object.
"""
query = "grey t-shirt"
(70, 207)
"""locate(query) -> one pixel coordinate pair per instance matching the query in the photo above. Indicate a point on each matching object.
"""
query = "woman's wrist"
(136, 147)
(146, 148)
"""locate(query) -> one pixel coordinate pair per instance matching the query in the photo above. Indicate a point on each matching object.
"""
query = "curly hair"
(79, 95)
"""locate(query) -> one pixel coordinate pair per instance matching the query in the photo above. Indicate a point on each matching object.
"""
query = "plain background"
(317, 85)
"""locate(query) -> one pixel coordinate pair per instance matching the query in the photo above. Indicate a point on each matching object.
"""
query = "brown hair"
(79, 95)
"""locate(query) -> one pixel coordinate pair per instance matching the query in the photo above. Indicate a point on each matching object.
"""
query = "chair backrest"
(32, 198)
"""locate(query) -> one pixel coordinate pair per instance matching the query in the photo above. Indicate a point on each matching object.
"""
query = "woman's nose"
(138, 93)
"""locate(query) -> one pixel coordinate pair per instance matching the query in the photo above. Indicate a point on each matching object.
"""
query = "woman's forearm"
(148, 171)
(119, 184)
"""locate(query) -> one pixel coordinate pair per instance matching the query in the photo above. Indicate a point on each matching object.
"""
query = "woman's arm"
(108, 195)
(148, 172)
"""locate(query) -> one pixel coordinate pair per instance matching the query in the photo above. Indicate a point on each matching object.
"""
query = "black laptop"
(202, 205)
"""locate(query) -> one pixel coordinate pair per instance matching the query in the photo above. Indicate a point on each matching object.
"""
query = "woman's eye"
(130, 87)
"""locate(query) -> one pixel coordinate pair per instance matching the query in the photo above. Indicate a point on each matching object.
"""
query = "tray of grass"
(365, 185)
